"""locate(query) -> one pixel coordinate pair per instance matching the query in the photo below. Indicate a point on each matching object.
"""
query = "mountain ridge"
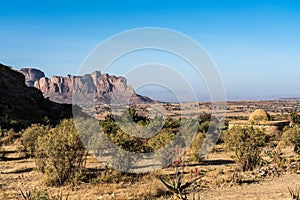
(104, 87)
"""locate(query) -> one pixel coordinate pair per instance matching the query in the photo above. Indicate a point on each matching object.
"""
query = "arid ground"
(220, 178)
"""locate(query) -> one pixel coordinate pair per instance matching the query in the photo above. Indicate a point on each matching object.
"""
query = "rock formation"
(31, 75)
(98, 88)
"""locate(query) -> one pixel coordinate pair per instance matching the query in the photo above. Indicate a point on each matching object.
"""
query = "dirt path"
(266, 190)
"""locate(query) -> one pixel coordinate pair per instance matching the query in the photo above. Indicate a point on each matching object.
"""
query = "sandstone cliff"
(98, 88)
(31, 75)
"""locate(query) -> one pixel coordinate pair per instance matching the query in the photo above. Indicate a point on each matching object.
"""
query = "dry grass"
(220, 181)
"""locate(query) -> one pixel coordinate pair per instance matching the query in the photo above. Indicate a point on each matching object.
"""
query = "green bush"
(60, 154)
(161, 139)
(247, 144)
(292, 136)
(30, 137)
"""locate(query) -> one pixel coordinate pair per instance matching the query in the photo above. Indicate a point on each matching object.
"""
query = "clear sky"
(255, 44)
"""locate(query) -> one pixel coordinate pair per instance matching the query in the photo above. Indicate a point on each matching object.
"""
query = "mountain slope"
(21, 105)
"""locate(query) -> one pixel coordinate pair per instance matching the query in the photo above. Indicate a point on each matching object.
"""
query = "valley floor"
(19, 174)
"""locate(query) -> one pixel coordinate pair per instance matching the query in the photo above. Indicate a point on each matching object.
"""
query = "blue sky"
(255, 44)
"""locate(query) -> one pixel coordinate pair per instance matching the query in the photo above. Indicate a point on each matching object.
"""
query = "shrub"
(35, 194)
(30, 137)
(247, 143)
(196, 146)
(292, 136)
(60, 154)
(123, 161)
(161, 139)
(2, 151)
(7, 136)
(295, 118)
(109, 175)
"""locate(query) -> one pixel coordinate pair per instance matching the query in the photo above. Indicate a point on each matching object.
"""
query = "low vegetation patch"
(292, 136)
(30, 138)
(39, 194)
(60, 154)
(247, 144)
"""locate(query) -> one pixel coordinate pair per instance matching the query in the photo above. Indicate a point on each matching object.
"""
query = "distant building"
(260, 119)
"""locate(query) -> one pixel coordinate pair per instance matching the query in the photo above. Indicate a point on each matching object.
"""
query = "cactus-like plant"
(176, 184)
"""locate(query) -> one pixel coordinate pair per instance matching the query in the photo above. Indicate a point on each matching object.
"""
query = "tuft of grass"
(295, 193)
(35, 194)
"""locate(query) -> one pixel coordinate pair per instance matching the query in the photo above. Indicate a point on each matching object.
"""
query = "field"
(219, 173)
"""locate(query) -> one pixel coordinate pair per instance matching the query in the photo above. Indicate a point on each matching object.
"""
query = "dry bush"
(60, 154)
(39, 194)
(6, 137)
(247, 143)
(2, 152)
(292, 136)
(123, 160)
(112, 176)
(30, 137)
(295, 118)
(196, 146)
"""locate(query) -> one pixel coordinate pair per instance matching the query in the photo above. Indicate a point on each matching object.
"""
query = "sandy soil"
(16, 174)
(276, 189)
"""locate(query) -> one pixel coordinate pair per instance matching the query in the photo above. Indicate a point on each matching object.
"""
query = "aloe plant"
(176, 185)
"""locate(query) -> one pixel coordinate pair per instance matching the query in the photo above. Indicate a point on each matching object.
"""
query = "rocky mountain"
(21, 105)
(98, 88)
(32, 75)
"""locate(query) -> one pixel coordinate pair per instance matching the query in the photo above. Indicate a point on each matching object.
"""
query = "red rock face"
(31, 75)
(104, 87)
